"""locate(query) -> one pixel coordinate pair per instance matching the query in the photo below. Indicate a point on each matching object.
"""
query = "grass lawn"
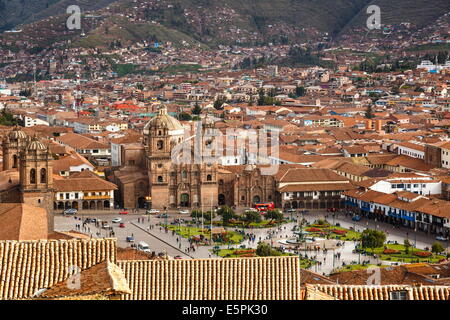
(187, 232)
(403, 257)
(327, 230)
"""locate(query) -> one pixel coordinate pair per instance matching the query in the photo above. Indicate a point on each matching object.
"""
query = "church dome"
(164, 120)
(35, 144)
(17, 134)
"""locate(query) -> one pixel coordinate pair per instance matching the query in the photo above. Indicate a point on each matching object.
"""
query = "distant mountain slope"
(15, 12)
(223, 21)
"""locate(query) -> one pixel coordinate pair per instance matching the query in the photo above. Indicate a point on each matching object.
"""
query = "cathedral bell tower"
(161, 135)
(36, 175)
(12, 146)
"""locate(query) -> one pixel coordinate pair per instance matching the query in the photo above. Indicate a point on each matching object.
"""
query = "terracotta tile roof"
(22, 222)
(309, 277)
(83, 181)
(105, 278)
(28, 266)
(273, 278)
(364, 292)
(311, 175)
(80, 142)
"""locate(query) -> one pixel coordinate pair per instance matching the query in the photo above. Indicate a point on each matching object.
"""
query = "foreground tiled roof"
(105, 278)
(364, 292)
(28, 266)
(268, 278)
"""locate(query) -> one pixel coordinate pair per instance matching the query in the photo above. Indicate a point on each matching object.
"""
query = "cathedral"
(153, 179)
(27, 175)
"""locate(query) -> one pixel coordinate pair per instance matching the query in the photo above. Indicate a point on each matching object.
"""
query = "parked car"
(164, 215)
(122, 225)
(152, 211)
(70, 211)
(130, 239)
(142, 246)
(178, 257)
(183, 212)
(441, 238)
(356, 218)
(116, 220)
(106, 226)
(123, 212)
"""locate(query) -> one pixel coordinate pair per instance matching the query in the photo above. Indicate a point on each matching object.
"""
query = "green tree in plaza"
(252, 216)
(369, 114)
(437, 247)
(273, 215)
(372, 238)
(407, 245)
(265, 250)
(7, 119)
(218, 104)
(197, 109)
(197, 214)
(226, 213)
(300, 91)
(183, 116)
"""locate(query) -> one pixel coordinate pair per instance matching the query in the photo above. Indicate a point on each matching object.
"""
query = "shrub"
(423, 253)
(313, 229)
(390, 251)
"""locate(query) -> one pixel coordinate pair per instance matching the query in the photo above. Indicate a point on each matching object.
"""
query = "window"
(76, 195)
(15, 161)
(160, 144)
(208, 177)
(399, 295)
(160, 179)
(67, 196)
(32, 176)
(43, 175)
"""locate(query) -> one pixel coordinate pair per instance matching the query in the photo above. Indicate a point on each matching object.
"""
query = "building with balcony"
(84, 190)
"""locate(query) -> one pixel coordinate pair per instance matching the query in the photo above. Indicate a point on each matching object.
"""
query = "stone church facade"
(158, 181)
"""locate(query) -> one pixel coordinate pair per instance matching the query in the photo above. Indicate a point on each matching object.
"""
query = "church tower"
(36, 176)
(12, 146)
(161, 134)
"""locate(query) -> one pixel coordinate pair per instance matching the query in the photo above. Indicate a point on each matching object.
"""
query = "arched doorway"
(67, 205)
(100, 205)
(221, 199)
(256, 199)
(294, 205)
(141, 202)
(106, 204)
(60, 205)
(92, 205)
(85, 205)
(184, 200)
(75, 205)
